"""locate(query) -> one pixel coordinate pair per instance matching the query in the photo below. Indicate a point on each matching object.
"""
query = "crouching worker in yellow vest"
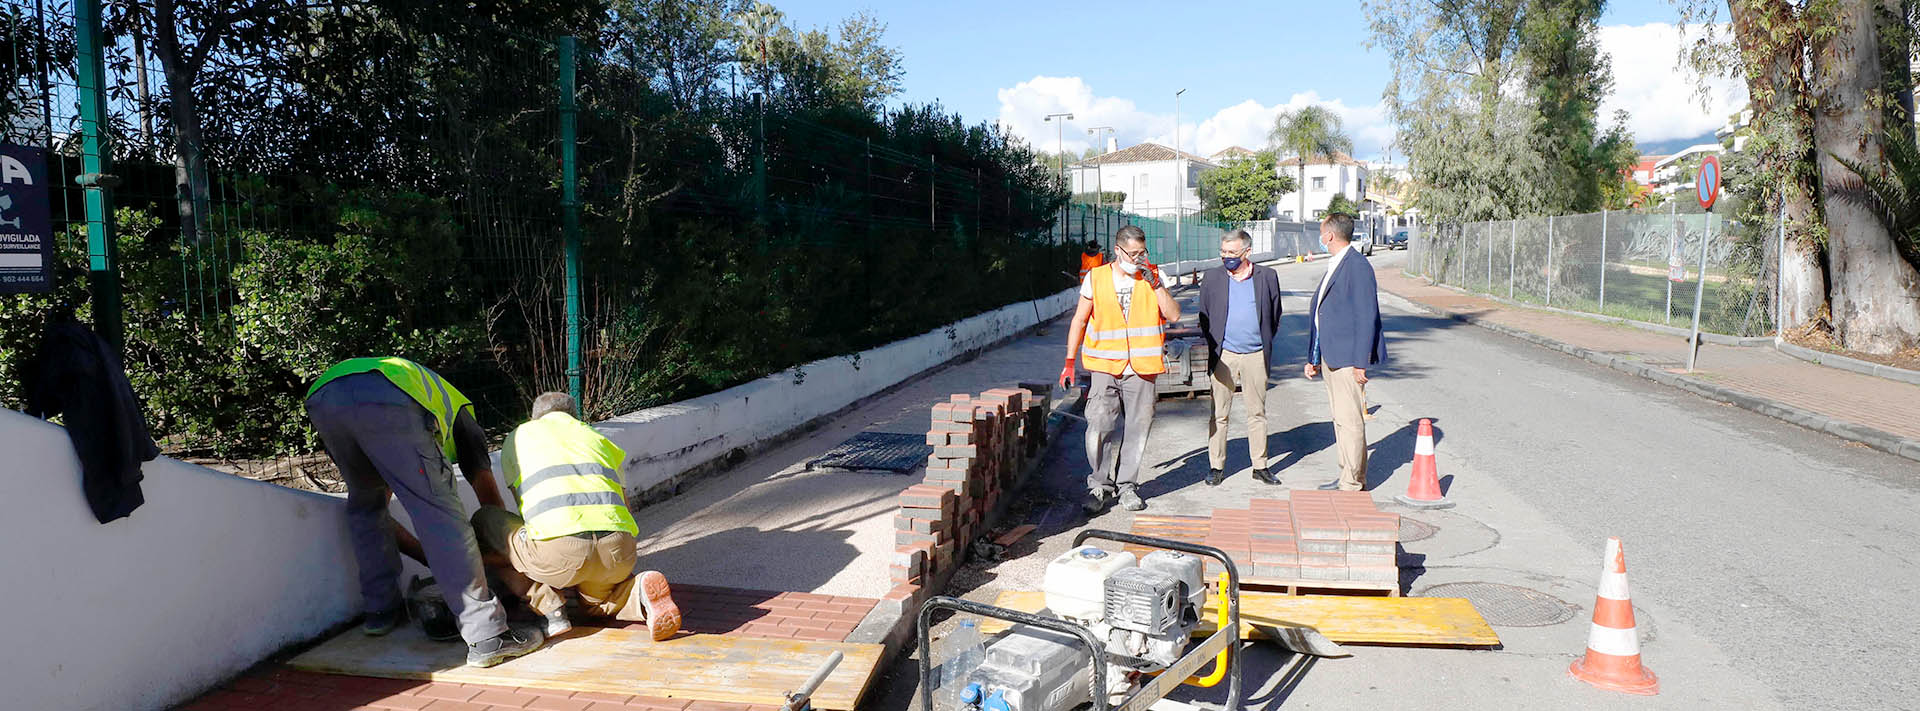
(574, 529)
(393, 427)
(1119, 329)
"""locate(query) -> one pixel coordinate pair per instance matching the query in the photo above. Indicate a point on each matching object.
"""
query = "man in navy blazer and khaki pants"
(1239, 313)
(1345, 339)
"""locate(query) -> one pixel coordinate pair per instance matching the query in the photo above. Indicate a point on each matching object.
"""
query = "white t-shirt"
(1123, 288)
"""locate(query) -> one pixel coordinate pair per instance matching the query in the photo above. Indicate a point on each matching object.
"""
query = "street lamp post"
(1179, 183)
(1060, 159)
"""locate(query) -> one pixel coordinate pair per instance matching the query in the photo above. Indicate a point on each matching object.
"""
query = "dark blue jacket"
(1215, 287)
(1348, 331)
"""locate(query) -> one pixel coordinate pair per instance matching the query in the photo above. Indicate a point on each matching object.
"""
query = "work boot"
(509, 644)
(1097, 502)
(1261, 475)
(557, 623)
(1130, 499)
(663, 616)
(1215, 476)
(378, 624)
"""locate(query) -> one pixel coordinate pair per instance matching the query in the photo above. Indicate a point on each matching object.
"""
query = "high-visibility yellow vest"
(422, 384)
(1115, 339)
(567, 478)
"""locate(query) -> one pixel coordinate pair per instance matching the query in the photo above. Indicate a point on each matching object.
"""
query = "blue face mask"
(1232, 263)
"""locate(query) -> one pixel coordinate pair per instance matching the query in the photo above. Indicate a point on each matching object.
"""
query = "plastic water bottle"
(959, 654)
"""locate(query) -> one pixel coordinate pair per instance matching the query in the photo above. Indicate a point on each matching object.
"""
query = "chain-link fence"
(1617, 263)
(1187, 239)
(482, 193)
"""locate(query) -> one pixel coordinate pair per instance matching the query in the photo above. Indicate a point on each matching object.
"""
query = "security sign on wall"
(26, 233)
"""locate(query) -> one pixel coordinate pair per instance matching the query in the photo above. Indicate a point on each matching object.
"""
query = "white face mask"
(1128, 268)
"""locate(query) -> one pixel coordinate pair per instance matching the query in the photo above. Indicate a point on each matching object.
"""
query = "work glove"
(1151, 273)
(1066, 375)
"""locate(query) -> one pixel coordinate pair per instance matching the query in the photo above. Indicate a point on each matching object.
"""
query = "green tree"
(1312, 131)
(684, 45)
(1496, 102)
(1244, 189)
(1831, 91)
(1339, 204)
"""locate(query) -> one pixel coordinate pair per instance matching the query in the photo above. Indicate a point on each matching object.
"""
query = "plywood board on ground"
(1427, 621)
(703, 667)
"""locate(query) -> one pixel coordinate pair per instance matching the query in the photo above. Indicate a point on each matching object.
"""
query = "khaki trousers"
(1348, 401)
(598, 565)
(1247, 371)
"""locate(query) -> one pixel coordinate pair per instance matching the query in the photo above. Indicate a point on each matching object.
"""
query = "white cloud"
(1656, 90)
(1024, 106)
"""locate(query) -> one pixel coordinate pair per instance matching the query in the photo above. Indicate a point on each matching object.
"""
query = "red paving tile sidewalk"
(708, 610)
(1843, 397)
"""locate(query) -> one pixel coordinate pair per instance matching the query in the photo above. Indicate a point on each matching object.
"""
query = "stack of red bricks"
(1312, 536)
(979, 444)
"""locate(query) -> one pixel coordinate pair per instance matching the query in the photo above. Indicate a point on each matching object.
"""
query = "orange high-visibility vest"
(1116, 340)
(1089, 261)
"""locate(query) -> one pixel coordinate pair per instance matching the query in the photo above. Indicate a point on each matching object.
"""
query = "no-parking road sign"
(1706, 183)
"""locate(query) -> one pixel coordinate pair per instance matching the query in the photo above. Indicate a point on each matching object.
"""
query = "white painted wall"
(1349, 179)
(664, 442)
(211, 575)
(1149, 185)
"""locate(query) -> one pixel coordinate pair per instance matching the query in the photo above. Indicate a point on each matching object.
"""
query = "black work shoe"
(1130, 499)
(511, 643)
(1215, 476)
(378, 624)
(1097, 502)
(1261, 475)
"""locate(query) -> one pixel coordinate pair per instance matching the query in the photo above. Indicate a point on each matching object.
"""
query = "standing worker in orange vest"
(1090, 257)
(1120, 328)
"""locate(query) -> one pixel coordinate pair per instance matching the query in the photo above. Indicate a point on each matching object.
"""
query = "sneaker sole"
(663, 616)
(507, 655)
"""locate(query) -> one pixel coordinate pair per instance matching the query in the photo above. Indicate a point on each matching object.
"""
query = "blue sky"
(1239, 61)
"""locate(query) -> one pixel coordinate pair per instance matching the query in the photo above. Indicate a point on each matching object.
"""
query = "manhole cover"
(886, 451)
(1508, 605)
(1411, 530)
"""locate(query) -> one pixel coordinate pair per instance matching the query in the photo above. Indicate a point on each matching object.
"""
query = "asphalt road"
(1771, 566)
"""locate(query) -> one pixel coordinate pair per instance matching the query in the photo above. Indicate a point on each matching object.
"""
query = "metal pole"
(1779, 272)
(103, 268)
(1179, 183)
(1673, 250)
(1549, 260)
(1489, 255)
(1603, 259)
(570, 215)
(1513, 240)
(933, 198)
(1699, 294)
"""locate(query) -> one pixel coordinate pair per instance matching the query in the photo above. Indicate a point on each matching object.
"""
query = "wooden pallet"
(701, 667)
(1422, 621)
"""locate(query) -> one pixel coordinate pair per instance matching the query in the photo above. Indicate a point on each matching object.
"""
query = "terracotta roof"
(1233, 152)
(1338, 158)
(1142, 153)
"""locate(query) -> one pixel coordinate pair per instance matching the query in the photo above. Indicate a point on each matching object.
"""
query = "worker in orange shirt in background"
(1091, 256)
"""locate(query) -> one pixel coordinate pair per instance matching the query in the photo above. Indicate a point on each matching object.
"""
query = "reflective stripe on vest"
(567, 477)
(419, 382)
(1116, 340)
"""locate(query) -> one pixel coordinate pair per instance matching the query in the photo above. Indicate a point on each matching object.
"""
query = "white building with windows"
(1158, 181)
(1671, 174)
(1325, 177)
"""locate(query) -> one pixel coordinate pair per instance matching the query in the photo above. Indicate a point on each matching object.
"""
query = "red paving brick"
(1886, 405)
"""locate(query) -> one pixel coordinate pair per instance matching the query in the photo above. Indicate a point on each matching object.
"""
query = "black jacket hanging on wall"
(78, 375)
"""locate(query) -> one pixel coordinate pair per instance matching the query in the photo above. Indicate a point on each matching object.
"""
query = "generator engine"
(1145, 611)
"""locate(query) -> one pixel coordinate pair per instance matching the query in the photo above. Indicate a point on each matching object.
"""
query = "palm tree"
(1307, 132)
(758, 26)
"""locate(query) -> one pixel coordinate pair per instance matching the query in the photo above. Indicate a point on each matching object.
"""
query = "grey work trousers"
(1114, 452)
(383, 441)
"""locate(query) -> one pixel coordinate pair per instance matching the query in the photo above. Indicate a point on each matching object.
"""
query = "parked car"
(1364, 241)
(1398, 240)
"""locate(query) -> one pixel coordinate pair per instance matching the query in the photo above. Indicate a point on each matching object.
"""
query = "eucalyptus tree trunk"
(1772, 46)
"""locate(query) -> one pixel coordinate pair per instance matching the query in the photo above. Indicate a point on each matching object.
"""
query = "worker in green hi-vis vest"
(394, 427)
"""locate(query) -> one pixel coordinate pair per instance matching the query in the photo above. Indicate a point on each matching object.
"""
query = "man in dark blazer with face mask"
(1240, 315)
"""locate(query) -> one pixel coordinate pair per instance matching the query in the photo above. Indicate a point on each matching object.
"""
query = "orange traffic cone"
(1613, 646)
(1423, 488)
